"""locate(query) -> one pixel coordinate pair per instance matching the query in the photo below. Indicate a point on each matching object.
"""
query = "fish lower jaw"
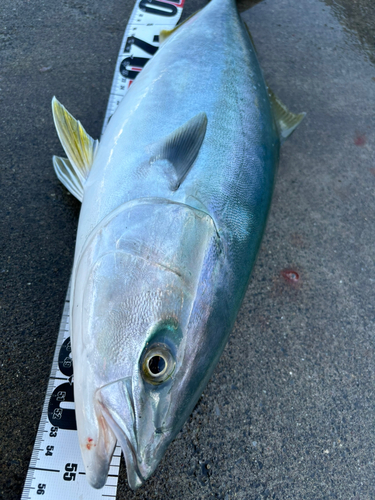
(143, 446)
(95, 481)
(121, 423)
(138, 467)
(134, 475)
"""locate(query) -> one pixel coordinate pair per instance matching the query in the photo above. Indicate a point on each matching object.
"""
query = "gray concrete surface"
(289, 412)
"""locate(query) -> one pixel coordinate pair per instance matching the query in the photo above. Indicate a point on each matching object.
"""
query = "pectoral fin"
(181, 148)
(79, 147)
(286, 121)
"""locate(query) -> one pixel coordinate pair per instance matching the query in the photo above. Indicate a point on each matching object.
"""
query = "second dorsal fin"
(181, 148)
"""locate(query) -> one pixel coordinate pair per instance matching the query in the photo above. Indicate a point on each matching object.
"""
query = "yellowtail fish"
(174, 204)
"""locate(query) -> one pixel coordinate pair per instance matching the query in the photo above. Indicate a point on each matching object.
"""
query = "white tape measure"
(140, 42)
(56, 470)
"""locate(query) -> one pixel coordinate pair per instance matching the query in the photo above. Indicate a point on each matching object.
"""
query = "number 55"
(70, 475)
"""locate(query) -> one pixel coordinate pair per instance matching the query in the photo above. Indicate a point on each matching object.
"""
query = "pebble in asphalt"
(288, 413)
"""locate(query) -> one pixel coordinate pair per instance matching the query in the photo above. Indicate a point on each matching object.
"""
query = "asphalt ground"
(289, 411)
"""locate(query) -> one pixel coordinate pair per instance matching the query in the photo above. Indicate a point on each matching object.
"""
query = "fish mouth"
(144, 444)
(135, 478)
(117, 407)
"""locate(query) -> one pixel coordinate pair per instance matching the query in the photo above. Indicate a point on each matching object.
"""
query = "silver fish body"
(173, 211)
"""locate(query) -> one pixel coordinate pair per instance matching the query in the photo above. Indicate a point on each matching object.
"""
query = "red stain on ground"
(372, 170)
(290, 275)
(360, 139)
(297, 240)
(90, 443)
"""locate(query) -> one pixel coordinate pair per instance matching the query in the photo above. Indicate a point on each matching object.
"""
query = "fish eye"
(157, 364)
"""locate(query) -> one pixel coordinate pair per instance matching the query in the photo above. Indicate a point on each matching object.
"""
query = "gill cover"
(135, 288)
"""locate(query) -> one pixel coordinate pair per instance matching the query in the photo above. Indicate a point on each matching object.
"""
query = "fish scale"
(56, 470)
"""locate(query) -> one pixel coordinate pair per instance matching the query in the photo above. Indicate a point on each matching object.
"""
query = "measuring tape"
(56, 469)
(140, 42)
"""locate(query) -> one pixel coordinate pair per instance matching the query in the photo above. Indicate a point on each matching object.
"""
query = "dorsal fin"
(286, 121)
(79, 147)
(181, 148)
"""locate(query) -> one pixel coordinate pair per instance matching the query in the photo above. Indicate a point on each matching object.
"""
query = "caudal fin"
(79, 147)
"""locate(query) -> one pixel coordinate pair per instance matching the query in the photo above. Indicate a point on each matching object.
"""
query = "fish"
(175, 200)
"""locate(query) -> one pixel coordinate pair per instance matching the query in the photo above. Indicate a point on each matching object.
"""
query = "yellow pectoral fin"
(78, 145)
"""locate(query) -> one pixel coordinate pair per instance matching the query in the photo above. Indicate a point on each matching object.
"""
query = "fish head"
(142, 345)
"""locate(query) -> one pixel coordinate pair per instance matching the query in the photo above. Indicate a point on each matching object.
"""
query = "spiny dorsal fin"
(78, 145)
(67, 175)
(164, 34)
(286, 121)
(181, 148)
